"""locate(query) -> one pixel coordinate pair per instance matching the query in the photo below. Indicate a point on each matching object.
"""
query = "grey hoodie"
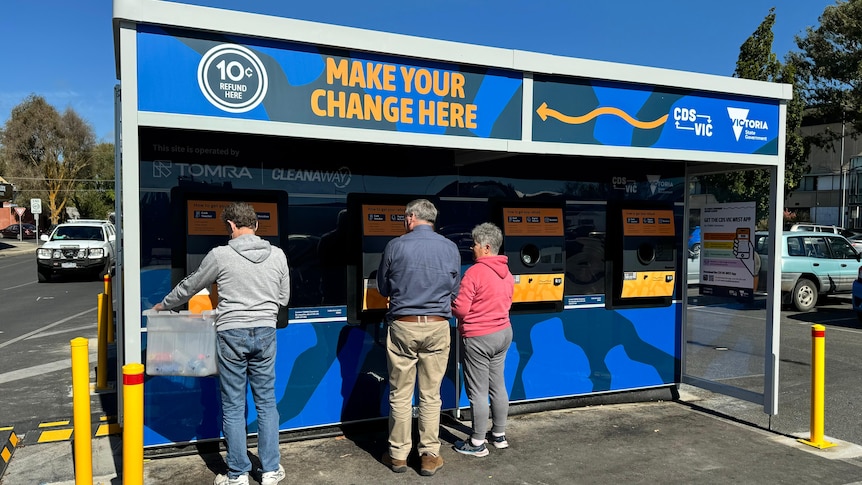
(253, 280)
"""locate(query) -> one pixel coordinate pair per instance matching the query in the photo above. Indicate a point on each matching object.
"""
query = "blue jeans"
(246, 356)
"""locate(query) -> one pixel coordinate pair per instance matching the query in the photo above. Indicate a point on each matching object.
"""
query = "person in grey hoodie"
(253, 280)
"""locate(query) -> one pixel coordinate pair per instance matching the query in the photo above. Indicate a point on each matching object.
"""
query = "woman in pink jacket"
(482, 309)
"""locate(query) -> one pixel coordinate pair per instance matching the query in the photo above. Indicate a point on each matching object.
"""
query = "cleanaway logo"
(739, 117)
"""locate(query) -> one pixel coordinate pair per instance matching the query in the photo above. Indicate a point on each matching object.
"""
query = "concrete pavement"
(660, 441)
(9, 247)
(672, 438)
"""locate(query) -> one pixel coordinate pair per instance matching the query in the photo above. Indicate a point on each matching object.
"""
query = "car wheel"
(695, 249)
(859, 316)
(804, 295)
(44, 276)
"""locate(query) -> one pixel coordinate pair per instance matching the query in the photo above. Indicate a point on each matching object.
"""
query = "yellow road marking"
(54, 423)
(106, 429)
(55, 435)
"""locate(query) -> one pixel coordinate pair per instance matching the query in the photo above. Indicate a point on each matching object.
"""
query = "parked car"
(857, 295)
(814, 264)
(12, 231)
(694, 241)
(811, 227)
(693, 269)
(80, 246)
(856, 241)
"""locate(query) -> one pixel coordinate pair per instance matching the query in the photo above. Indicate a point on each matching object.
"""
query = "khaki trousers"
(415, 350)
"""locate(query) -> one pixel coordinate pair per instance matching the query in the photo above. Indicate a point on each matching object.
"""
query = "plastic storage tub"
(181, 344)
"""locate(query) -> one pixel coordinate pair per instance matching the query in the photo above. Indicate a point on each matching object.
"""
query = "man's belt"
(420, 318)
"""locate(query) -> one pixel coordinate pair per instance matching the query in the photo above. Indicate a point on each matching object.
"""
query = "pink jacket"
(483, 302)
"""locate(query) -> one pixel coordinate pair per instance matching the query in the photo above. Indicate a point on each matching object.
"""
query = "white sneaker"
(499, 442)
(225, 480)
(271, 478)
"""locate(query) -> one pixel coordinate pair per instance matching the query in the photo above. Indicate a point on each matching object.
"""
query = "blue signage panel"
(629, 115)
(226, 76)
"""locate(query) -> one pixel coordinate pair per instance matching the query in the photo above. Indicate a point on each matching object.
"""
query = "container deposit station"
(586, 166)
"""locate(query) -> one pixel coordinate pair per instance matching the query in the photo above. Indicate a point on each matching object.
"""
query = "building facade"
(832, 182)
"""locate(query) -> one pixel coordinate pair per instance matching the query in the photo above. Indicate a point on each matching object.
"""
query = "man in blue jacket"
(420, 273)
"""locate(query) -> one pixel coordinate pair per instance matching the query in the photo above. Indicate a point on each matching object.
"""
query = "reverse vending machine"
(534, 241)
(641, 254)
(374, 220)
(198, 212)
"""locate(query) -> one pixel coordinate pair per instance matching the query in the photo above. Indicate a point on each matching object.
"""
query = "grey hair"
(241, 213)
(487, 233)
(422, 209)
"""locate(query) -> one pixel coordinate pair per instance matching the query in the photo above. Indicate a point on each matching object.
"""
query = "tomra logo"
(740, 121)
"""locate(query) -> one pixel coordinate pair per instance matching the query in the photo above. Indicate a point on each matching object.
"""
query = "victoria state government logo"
(749, 129)
(232, 78)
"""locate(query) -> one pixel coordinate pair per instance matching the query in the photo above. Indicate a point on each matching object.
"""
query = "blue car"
(815, 264)
(857, 295)
(694, 241)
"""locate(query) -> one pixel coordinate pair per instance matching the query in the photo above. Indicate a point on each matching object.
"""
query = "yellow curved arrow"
(544, 112)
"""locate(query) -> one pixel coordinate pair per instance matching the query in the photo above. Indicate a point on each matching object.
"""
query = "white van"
(807, 226)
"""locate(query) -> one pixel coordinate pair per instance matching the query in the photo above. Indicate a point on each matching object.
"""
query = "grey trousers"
(484, 360)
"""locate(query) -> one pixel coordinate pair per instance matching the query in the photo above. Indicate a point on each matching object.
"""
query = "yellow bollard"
(110, 308)
(81, 411)
(133, 424)
(102, 328)
(818, 382)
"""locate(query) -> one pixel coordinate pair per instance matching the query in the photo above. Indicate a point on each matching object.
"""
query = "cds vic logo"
(232, 78)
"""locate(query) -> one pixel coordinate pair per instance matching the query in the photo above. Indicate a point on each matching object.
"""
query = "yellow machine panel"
(372, 299)
(538, 287)
(647, 283)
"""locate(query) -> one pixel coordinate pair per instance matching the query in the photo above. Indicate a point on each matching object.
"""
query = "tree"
(757, 61)
(831, 66)
(95, 197)
(46, 151)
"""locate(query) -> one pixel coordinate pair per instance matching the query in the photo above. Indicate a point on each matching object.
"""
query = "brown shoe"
(430, 464)
(397, 466)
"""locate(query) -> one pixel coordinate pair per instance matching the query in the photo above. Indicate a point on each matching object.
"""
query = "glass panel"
(724, 341)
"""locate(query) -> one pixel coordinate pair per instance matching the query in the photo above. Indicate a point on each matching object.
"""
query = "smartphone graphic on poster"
(743, 243)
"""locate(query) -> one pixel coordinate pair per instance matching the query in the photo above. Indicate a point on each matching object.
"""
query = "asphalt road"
(724, 342)
(37, 323)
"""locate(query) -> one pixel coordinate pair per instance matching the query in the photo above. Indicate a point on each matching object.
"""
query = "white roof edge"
(281, 28)
(612, 71)
(195, 17)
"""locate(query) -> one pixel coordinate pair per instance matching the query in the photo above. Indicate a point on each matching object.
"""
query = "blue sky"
(63, 50)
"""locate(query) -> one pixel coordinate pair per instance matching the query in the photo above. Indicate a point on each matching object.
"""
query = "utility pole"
(841, 165)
